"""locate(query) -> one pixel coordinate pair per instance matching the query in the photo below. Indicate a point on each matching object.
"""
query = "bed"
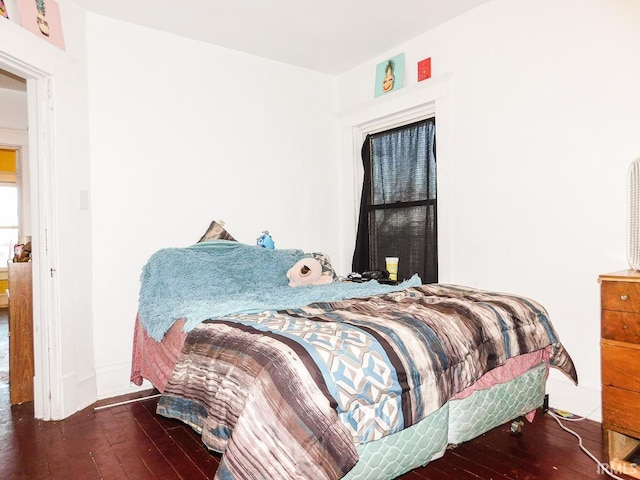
(339, 380)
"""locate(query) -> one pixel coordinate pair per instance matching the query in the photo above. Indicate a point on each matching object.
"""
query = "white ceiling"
(329, 36)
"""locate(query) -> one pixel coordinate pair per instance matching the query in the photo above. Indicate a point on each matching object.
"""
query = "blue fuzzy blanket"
(217, 278)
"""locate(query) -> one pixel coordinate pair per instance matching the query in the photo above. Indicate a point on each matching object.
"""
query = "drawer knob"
(624, 297)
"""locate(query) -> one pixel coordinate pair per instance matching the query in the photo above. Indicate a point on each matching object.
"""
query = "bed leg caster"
(516, 427)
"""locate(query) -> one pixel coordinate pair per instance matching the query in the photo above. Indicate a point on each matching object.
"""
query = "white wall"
(541, 126)
(13, 113)
(183, 133)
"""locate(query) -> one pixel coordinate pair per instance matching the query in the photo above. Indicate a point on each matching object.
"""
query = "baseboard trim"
(113, 381)
(581, 400)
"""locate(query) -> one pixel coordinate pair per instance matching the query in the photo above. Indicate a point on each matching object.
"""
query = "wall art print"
(3, 10)
(42, 17)
(389, 75)
(424, 69)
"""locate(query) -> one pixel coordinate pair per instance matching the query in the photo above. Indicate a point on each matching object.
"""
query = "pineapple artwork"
(43, 25)
(387, 81)
(389, 75)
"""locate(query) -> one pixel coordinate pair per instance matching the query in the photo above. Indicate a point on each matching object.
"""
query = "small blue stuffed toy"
(265, 241)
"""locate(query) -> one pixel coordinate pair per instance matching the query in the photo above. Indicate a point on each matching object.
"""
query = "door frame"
(40, 143)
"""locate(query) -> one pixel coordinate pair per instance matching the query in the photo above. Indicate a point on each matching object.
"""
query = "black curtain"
(360, 261)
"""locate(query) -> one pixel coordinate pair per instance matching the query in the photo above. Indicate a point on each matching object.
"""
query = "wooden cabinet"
(21, 367)
(620, 362)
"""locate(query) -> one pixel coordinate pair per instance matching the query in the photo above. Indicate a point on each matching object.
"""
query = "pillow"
(314, 269)
(216, 232)
(325, 261)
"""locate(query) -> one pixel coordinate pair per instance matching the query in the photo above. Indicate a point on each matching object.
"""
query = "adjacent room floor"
(130, 441)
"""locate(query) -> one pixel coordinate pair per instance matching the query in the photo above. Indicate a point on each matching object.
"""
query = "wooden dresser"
(21, 365)
(620, 357)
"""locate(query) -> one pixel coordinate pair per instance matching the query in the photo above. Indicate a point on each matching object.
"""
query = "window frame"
(427, 266)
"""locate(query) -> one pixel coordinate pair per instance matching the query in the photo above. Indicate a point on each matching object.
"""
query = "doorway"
(13, 93)
(15, 283)
(36, 149)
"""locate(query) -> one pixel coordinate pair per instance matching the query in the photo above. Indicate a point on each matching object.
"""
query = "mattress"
(455, 422)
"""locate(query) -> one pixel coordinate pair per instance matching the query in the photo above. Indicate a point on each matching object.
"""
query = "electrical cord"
(601, 465)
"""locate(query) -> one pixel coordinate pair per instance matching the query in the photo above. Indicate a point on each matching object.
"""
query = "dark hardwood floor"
(131, 442)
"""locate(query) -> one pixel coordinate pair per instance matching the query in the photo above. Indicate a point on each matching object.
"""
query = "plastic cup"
(392, 267)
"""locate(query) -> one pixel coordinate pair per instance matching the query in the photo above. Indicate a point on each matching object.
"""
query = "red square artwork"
(424, 69)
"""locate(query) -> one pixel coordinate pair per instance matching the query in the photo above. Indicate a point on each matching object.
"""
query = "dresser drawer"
(621, 410)
(620, 366)
(621, 296)
(621, 326)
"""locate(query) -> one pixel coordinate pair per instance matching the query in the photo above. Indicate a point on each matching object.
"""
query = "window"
(398, 207)
(8, 221)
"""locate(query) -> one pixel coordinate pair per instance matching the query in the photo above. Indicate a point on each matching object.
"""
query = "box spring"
(455, 422)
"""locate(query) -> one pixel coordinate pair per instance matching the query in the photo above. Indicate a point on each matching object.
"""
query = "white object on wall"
(633, 215)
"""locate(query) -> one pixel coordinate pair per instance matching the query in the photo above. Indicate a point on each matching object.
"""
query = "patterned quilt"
(289, 394)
